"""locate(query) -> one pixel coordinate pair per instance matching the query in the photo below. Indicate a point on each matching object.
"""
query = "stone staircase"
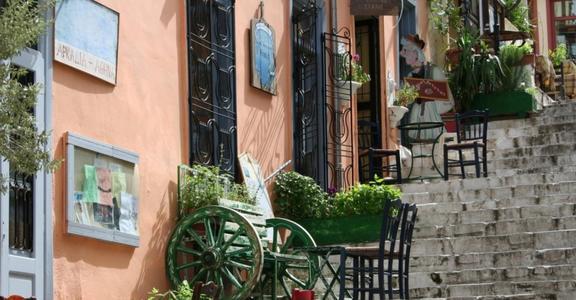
(511, 235)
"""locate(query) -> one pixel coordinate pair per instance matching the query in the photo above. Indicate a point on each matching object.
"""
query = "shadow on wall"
(268, 121)
(152, 269)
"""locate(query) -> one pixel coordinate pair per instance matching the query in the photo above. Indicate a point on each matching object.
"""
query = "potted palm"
(404, 97)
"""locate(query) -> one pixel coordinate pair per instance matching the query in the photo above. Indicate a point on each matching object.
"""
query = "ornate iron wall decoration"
(212, 83)
(336, 56)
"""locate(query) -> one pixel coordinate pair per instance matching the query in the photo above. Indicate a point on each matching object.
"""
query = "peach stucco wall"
(143, 113)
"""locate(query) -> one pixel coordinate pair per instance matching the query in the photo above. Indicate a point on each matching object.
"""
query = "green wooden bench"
(235, 246)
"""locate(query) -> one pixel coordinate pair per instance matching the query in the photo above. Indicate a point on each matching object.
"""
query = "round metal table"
(419, 138)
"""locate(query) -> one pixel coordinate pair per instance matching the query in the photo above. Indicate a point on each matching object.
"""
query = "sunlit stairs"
(511, 235)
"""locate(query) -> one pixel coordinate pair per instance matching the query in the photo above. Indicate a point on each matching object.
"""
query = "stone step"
(517, 241)
(560, 287)
(534, 170)
(491, 193)
(532, 152)
(497, 203)
(534, 120)
(567, 159)
(487, 275)
(526, 296)
(503, 259)
(495, 228)
(428, 215)
(456, 184)
(527, 131)
(505, 143)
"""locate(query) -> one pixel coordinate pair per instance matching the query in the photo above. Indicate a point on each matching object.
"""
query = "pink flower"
(356, 57)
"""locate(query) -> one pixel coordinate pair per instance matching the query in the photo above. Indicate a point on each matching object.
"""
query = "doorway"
(22, 206)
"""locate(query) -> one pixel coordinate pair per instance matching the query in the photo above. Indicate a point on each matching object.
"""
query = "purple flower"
(356, 57)
(332, 191)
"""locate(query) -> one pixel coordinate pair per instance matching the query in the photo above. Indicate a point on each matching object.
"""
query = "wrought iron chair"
(471, 133)
(373, 160)
(408, 222)
(369, 263)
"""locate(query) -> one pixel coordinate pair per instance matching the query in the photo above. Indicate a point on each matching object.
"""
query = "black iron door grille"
(211, 83)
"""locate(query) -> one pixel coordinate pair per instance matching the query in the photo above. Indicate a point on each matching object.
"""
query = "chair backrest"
(389, 230)
(472, 126)
(368, 134)
(210, 289)
(409, 213)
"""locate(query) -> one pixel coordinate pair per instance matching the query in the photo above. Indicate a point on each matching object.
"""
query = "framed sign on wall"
(263, 52)
(86, 37)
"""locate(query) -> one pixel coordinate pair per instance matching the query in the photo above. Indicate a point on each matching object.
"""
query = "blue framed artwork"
(263, 49)
(86, 37)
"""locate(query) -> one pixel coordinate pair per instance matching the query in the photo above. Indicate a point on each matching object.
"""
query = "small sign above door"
(375, 7)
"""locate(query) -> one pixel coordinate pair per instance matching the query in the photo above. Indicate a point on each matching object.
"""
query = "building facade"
(182, 92)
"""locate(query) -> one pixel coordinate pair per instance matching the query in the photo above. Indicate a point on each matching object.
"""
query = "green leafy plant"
(514, 76)
(517, 14)
(558, 55)
(349, 68)
(21, 143)
(364, 199)
(299, 197)
(183, 292)
(444, 14)
(406, 95)
(204, 185)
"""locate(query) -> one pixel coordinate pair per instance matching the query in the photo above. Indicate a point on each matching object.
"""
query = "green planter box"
(344, 230)
(518, 103)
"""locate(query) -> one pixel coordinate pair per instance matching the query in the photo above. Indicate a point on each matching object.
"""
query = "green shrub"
(299, 197)
(183, 292)
(558, 55)
(204, 185)
(364, 199)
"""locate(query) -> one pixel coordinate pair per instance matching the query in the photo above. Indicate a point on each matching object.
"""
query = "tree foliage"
(22, 22)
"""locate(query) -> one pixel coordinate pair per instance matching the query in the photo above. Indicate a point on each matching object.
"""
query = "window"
(102, 191)
(211, 83)
(564, 25)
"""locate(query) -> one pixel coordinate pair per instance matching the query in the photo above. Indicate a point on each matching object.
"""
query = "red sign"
(430, 89)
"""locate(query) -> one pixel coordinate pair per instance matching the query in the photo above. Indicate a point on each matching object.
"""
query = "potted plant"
(558, 55)
(351, 216)
(509, 98)
(351, 74)
(404, 97)
(199, 186)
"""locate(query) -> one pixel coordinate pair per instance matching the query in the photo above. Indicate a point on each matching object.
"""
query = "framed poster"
(254, 181)
(86, 37)
(263, 52)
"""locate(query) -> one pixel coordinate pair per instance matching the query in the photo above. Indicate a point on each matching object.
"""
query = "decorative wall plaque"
(375, 7)
(263, 51)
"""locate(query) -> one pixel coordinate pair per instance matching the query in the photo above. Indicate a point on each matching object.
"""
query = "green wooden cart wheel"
(216, 244)
(291, 275)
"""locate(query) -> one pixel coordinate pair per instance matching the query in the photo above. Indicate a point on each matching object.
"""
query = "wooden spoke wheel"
(293, 272)
(216, 244)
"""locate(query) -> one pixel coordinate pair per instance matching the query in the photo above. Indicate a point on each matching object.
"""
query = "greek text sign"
(86, 38)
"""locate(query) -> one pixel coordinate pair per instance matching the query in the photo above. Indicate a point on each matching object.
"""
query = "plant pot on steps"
(509, 103)
(395, 114)
(344, 230)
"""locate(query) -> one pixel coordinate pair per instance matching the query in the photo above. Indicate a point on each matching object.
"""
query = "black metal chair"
(471, 133)
(369, 263)
(408, 223)
(372, 159)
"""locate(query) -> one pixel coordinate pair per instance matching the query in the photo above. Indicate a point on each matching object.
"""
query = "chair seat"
(369, 252)
(464, 145)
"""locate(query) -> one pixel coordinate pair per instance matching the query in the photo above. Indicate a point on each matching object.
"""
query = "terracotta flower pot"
(453, 56)
(528, 59)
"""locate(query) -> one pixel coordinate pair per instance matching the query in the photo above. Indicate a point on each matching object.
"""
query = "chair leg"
(398, 168)
(461, 163)
(445, 162)
(477, 162)
(485, 161)
(355, 277)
